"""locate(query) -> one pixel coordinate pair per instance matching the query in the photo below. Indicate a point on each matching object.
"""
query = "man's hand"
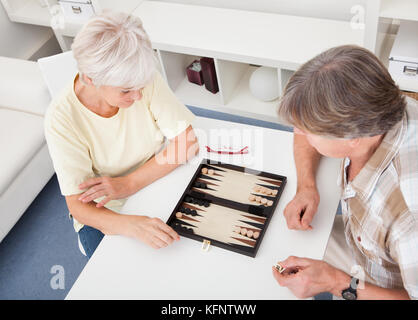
(110, 188)
(152, 231)
(307, 277)
(300, 211)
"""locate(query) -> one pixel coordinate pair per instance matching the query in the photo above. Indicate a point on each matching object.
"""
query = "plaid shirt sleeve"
(403, 246)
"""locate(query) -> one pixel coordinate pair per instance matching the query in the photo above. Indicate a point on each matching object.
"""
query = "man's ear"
(354, 143)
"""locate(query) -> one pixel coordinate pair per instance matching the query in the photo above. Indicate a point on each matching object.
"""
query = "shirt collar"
(365, 182)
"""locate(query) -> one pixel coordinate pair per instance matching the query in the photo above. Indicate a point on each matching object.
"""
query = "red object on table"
(242, 151)
(193, 75)
(209, 74)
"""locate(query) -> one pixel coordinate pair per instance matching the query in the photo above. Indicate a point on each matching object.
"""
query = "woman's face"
(333, 148)
(120, 97)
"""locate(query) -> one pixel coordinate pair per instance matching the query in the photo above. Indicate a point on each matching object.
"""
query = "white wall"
(18, 40)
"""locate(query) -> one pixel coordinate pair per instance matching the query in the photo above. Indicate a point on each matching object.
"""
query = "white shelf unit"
(391, 12)
(238, 41)
(28, 11)
(399, 9)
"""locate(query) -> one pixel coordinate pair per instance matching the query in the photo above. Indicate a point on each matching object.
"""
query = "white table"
(124, 268)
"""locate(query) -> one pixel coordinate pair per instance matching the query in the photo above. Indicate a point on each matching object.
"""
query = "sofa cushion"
(22, 86)
(21, 136)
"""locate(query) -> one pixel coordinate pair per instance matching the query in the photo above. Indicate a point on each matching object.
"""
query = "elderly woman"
(344, 104)
(107, 131)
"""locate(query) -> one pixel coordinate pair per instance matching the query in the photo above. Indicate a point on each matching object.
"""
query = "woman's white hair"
(113, 49)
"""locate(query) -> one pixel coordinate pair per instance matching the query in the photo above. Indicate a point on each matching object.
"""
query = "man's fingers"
(292, 214)
(283, 279)
(90, 182)
(308, 217)
(293, 262)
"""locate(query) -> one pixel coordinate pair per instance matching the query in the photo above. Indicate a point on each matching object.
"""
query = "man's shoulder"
(406, 161)
(412, 110)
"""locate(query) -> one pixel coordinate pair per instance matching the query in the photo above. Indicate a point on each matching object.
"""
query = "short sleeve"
(403, 247)
(172, 116)
(70, 156)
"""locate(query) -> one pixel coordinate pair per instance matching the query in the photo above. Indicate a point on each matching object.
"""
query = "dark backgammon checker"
(227, 205)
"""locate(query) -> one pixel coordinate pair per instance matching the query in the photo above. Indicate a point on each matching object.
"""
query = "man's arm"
(367, 291)
(306, 161)
(308, 277)
(300, 211)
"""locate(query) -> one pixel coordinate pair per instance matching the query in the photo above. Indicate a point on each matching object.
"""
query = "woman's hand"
(110, 188)
(307, 277)
(300, 211)
(152, 231)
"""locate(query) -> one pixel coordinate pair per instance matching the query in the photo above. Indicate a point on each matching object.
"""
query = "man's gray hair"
(344, 92)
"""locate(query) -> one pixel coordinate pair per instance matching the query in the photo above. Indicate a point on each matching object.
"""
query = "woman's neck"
(90, 99)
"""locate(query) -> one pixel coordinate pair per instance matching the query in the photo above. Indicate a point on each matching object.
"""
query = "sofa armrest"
(22, 86)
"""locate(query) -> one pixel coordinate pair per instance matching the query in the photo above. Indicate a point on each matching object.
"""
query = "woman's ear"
(87, 80)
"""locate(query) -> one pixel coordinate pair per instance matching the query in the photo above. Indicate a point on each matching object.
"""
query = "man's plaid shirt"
(380, 208)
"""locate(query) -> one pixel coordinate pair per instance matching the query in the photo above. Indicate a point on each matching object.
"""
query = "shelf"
(385, 44)
(244, 103)
(259, 38)
(399, 9)
(31, 12)
(197, 96)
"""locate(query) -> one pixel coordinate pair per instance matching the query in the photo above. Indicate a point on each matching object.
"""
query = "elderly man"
(344, 104)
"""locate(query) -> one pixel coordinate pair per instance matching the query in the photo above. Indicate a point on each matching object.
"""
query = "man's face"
(333, 148)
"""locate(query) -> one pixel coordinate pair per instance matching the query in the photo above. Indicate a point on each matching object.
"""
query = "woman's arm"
(180, 150)
(152, 231)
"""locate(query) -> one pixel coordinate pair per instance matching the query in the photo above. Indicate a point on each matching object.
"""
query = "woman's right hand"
(152, 231)
(300, 211)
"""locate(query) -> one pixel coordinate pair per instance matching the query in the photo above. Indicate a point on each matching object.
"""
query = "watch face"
(349, 295)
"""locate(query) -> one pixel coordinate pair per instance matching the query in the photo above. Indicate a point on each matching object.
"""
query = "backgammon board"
(228, 205)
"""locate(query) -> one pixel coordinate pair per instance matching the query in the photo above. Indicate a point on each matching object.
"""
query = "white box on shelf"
(403, 59)
(77, 10)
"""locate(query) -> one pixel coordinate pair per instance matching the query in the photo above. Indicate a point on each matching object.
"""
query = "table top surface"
(125, 268)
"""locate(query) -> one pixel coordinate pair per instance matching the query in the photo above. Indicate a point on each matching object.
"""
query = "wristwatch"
(351, 292)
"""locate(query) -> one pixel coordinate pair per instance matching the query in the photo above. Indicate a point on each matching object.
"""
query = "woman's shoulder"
(153, 85)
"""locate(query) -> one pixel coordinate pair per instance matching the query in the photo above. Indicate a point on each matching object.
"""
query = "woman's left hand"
(110, 188)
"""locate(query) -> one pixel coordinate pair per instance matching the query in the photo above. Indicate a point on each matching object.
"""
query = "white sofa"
(25, 165)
